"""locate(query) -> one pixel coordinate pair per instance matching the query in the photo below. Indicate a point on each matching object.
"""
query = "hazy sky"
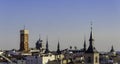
(64, 20)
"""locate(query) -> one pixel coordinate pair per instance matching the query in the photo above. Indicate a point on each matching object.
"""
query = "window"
(96, 59)
(89, 60)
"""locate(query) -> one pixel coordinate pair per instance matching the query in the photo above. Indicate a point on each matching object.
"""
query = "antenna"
(39, 36)
(47, 38)
(84, 38)
(91, 25)
(24, 27)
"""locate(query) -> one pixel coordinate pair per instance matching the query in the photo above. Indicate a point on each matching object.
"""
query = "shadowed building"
(39, 44)
(24, 37)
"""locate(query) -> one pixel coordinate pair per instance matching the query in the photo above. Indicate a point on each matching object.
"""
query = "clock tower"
(24, 37)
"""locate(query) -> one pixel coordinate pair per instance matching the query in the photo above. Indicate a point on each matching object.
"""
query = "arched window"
(96, 59)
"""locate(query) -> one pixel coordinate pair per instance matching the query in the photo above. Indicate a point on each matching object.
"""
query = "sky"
(65, 20)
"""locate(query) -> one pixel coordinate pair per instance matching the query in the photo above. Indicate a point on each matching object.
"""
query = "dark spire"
(47, 49)
(91, 48)
(58, 48)
(112, 49)
(84, 44)
(91, 38)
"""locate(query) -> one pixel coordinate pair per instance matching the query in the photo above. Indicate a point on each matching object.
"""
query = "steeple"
(112, 49)
(91, 55)
(84, 49)
(58, 48)
(91, 38)
(47, 49)
(91, 48)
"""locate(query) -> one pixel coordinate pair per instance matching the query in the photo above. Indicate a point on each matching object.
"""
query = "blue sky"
(64, 20)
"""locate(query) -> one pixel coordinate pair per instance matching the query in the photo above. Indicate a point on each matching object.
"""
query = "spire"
(91, 48)
(47, 49)
(91, 38)
(112, 49)
(84, 44)
(58, 48)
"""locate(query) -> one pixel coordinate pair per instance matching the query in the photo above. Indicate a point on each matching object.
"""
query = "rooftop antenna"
(47, 38)
(39, 36)
(24, 27)
(84, 37)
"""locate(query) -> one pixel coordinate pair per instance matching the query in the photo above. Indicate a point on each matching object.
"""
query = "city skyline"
(66, 21)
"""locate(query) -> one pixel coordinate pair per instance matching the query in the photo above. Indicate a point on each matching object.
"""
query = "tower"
(112, 51)
(91, 54)
(24, 37)
(58, 52)
(58, 48)
(39, 44)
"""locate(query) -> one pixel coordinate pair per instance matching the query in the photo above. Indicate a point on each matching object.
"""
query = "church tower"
(58, 55)
(39, 44)
(91, 54)
(24, 37)
(112, 51)
(58, 48)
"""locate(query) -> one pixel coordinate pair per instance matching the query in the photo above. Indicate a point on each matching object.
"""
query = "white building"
(47, 57)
